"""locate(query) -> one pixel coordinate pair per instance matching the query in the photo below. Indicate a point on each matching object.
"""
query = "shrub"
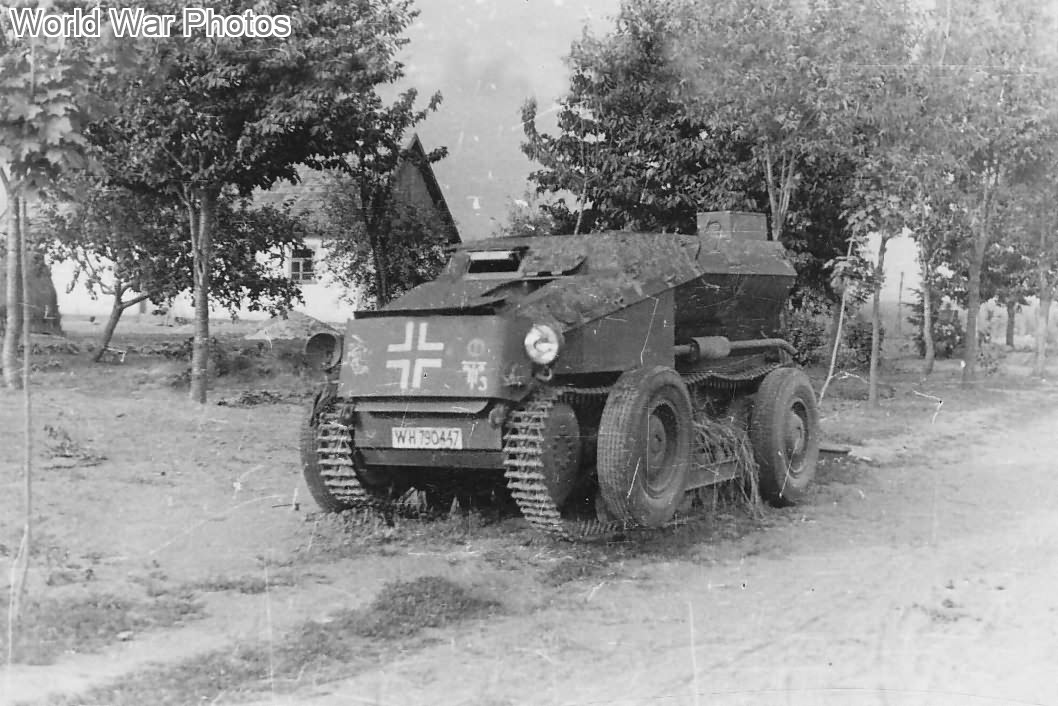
(807, 332)
(855, 352)
(948, 333)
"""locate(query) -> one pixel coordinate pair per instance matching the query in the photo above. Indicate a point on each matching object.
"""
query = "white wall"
(324, 300)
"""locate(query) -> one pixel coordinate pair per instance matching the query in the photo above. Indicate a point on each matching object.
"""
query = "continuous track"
(523, 448)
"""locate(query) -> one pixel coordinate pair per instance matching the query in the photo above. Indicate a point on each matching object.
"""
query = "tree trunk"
(202, 245)
(379, 261)
(13, 295)
(20, 565)
(780, 190)
(1012, 310)
(116, 310)
(876, 323)
(927, 321)
(838, 325)
(973, 308)
(837, 314)
(1043, 315)
(973, 290)
(27, 416)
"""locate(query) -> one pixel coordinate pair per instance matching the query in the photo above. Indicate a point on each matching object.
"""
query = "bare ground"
(922, 575)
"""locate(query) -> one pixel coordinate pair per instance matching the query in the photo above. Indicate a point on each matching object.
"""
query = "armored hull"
(615, 371)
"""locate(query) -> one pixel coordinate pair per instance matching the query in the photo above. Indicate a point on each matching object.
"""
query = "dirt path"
(924, 577)
(933, 586)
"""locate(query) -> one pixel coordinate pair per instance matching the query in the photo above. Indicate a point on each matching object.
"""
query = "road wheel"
(310, 465)
(784, 430)
(561, 452)
(645, 445)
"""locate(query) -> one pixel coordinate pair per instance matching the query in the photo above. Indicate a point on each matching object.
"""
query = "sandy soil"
(920, 576)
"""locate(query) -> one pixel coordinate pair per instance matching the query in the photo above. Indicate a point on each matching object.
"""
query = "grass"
(315, 652)
(52, 627)
(575, 568)
(249, 585)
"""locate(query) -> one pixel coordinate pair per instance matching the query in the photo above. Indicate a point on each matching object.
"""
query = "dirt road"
(931, 581)
(923, 576)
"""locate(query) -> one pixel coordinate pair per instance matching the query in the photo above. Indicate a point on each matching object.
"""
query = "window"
(301, 266)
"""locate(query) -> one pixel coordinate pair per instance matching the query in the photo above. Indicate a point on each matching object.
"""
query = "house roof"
(310, 193)
(413, 145)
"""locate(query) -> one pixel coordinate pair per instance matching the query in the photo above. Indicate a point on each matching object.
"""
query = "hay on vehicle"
(717, 442)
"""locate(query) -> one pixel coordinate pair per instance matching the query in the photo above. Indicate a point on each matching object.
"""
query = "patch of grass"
(574, 568)
(51, 627)
(317, 651)
(249, 585)
(355, 533)
(404, 608)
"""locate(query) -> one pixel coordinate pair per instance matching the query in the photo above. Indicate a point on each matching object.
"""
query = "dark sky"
(486, 57)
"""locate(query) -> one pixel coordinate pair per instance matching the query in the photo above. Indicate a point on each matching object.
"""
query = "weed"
(61, 445)
(249, 585)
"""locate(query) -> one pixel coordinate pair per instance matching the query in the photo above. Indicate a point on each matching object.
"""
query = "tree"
(989, 97)
(530, 216)
(382, 243)
(405, 249)
(45, 98)
(131, 247)
(1037, 236)
(206, 114)
(792, 82)
(626, 147)
(640, 155)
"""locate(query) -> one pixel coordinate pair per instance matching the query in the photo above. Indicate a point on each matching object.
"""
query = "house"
(324, 299)
(414, 184)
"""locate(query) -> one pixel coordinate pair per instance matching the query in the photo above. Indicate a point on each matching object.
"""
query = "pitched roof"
(310, 193)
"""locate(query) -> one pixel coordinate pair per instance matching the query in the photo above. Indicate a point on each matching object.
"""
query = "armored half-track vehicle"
(613, 372)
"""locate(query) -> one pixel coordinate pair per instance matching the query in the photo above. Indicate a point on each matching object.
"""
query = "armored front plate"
(436, 356)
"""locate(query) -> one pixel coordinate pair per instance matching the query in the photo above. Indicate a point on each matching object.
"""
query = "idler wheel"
(645, 439)
(784, 430)
(560, 452)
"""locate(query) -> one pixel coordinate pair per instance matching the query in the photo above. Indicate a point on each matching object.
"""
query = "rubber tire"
(623, 445)
(783, 391)
(310, 467)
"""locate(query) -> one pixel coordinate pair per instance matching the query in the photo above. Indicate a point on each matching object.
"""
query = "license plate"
(427, 438)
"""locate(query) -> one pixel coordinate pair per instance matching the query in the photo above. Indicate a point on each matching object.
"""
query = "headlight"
(542, 344)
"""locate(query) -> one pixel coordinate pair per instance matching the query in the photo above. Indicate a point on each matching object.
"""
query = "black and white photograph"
(528, 352)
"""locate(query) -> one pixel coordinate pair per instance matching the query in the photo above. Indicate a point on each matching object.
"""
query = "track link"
(334, 454)
(523, 447)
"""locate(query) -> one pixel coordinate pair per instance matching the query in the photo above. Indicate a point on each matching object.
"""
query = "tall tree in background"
(991, 97)
(625, 145)
(1037, 236)
(793, 82)
(207, 114)
(638, 153)
(45, 99)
